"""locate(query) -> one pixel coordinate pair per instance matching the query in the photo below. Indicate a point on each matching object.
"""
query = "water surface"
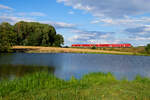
(68, 64)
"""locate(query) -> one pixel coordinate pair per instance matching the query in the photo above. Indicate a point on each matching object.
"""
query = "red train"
(103, 45)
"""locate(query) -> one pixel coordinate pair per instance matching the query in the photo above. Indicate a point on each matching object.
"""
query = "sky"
(85, 21)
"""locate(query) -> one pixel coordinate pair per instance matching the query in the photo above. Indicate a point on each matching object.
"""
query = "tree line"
(28, 34)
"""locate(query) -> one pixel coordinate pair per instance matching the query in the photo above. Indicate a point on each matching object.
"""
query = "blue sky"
(85, 21)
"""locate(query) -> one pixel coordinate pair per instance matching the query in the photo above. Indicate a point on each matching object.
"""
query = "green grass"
(138, 51)
(86, 52)
(134, 54)
(94, 86)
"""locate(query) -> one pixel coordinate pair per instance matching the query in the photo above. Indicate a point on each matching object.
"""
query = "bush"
(94, 47)
(147, 48)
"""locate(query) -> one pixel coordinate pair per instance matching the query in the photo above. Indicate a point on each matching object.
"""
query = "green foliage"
(58, 40)
(7, 37)
(94, 86)
(28, 34)
(37, 34)
(147, 48)
(94, 47)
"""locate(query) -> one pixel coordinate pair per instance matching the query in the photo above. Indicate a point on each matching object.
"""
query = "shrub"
(147, 48)
(94, 47)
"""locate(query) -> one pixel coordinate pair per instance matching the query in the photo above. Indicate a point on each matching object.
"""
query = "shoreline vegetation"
(40, 49)
(93, 86)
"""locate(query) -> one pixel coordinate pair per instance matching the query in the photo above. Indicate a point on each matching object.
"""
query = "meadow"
(93, 86)
(116, 51)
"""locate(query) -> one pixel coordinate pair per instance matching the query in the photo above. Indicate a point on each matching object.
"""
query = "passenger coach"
(103, 45)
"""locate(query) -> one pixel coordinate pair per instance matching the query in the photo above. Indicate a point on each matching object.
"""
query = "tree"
(7, 37)
(29, 33)
(4, 44)
(33, 33)
(59, 40)
(94, 47)
(147, 48)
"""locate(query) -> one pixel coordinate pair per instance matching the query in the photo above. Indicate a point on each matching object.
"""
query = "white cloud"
(37, 14)
(32, 14)
(60, 25)
(105, 36)
(125, 22)
(142, 38)
(125, 16)
(71, 12)
(147, 28)
(5, 7)
(139, 41)
(83, 36)
(13, 20)
(110, 8)
(143, 31)
(93, 37)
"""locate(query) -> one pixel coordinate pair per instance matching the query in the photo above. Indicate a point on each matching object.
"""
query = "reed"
(93, 86)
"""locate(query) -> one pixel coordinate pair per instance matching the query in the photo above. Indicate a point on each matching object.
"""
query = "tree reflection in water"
(12, 71)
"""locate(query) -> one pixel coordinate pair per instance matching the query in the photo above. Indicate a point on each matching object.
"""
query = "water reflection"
(67, 64)
(12, 71)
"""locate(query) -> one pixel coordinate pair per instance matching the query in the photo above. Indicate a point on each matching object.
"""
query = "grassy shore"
(94, 86)
(38, 49)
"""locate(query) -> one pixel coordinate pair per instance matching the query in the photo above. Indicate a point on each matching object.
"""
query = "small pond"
(65, 65)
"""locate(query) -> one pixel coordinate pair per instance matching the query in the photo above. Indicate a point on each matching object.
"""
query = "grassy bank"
(94, 86)
(37, 49)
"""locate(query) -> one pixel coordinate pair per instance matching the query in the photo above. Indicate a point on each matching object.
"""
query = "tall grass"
(94, 86)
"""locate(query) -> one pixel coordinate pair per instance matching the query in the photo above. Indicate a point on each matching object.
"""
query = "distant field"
(118, 51)
(38, 49)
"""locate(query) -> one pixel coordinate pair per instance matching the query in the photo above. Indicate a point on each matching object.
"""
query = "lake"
(66, 65)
